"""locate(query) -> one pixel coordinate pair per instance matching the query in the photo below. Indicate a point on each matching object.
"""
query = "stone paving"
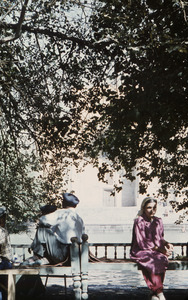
(120, 285)
(117, 294)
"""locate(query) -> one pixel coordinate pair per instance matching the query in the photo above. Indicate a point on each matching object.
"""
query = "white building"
(100, 208)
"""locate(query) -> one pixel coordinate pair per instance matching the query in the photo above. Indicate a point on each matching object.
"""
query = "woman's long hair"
(144, 203)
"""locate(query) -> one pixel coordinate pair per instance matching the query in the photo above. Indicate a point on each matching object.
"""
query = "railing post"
(115, 252)
(105, 254)
(23, 254)
(182, 252)
(125, 255)
(96, 253)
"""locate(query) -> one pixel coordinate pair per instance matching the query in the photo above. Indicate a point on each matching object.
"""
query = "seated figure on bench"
(149, 248)
(54, 232)
(5, 252)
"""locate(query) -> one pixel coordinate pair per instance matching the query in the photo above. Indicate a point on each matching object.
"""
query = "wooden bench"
(81, 263)
(12, 273)
(123, 264)
(73, 271)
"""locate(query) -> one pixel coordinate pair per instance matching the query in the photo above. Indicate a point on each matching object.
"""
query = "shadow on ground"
(56, 292)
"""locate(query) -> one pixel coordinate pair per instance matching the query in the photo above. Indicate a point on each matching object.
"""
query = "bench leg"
(65, 285)
(11, 287)
(46, 281)
(84, 286)
(77, 287)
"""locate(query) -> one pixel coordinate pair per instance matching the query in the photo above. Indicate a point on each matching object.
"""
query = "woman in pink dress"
(149, 248)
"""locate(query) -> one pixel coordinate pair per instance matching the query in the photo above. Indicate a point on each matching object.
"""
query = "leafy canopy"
(81, 79)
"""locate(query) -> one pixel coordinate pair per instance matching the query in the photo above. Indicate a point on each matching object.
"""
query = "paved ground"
(120, 285)
(116, 293)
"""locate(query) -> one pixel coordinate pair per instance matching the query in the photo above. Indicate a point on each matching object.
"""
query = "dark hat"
(70, 199)
(2, 211)
(47, 209)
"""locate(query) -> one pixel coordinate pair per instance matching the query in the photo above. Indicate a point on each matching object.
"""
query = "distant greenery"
(85, 79)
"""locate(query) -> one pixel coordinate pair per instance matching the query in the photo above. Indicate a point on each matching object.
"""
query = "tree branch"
(183, 4)
(3, 17)
(18, 26)
(62, 36)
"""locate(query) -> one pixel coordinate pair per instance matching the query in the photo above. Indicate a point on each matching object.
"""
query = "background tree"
(145, 119)
(83, 79)
(19, 181)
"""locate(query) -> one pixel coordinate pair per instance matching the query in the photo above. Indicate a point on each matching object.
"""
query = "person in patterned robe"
(149, 248)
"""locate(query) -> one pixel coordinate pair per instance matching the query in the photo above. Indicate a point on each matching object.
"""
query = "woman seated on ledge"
(149, 249)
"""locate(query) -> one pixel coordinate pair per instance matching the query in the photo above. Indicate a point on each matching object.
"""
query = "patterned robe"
(147, 235)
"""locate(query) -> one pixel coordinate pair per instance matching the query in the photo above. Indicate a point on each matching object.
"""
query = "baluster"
(105, 254)
(96, 252)
(115, 252)
(23, 253)
(125, 252)
(182, 252)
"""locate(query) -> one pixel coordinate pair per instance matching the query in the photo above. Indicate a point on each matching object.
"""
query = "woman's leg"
(157, 280)
(154, 281)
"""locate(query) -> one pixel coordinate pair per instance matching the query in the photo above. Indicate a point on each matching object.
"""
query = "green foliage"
(145, 120)
(81, 79)
(19, 183)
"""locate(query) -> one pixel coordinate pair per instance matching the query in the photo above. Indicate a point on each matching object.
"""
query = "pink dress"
(147, 235)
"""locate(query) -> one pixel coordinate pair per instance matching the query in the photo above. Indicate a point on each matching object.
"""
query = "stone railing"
(122, 250)
(113, 251)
